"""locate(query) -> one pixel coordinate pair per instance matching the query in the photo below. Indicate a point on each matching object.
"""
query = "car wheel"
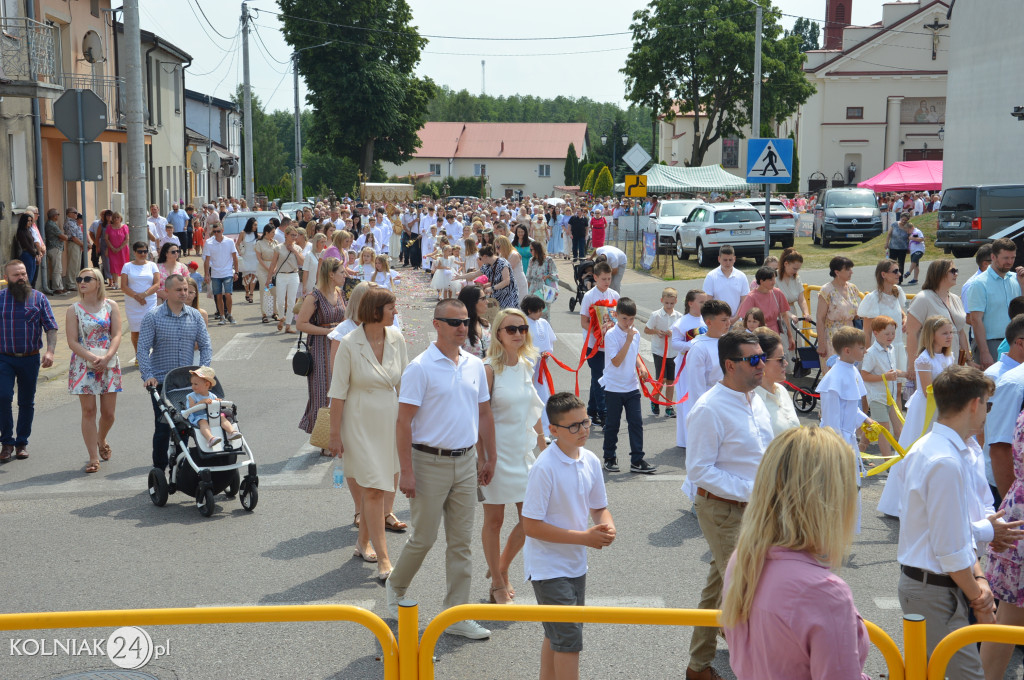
(703, 257)
(825, 242)
(759, 260)
(787, 243)
(680, 252)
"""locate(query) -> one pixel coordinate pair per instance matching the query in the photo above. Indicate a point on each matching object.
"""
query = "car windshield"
(851, 199)
(734, 216)
(676, 209)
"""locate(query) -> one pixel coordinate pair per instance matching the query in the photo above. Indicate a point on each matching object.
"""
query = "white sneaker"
(234, 436)
(469, 629)
(392, 599)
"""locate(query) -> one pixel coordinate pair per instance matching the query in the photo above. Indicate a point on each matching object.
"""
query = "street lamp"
(604, 140)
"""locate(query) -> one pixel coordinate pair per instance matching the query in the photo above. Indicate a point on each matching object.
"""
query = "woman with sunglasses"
(935, 299)
(517, 430)
(166, 264)
(776, 398)
(94, 335)
(888, 299)
(140, 280)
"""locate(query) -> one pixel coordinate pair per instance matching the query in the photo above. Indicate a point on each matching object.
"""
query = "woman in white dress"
(140, 280)
(886, 300)
(793, 288)
(517, 430)
(937, 335)
(245, 244)
(776, 398)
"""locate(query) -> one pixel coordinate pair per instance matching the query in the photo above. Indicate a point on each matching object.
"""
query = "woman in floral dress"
(837, 303)
(541, 273)
(94, 334)
(321, 311)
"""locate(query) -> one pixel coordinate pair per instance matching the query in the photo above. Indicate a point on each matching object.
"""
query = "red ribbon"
(801, 391)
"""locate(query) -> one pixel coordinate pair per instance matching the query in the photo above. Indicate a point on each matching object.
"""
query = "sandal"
(365, 556)
(280, 323)
(275, 317)
(392, 523)
(105, 452)
(92, 466)
(265, 319)
(507, 599)
(355, 520)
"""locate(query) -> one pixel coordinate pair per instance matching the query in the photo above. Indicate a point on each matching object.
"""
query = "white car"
(713, 225)
(783, 220)
(667, 217)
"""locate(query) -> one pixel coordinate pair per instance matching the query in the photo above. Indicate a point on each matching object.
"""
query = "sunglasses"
(454, 323)
(954, 270)
(574, 428)
(515, 330)
(173, 252)
(753, 359)
(143, 250)
(84, 279)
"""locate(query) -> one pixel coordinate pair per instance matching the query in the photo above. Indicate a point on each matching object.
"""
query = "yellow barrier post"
(969, 635)
(915, 647)
(890, 652)
(408, 639)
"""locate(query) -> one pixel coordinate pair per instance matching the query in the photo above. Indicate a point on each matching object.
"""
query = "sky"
(553, 64)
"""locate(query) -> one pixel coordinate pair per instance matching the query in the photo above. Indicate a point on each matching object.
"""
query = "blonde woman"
(266, 258)
(786, 615)
(517, 430)
(289, 262)
(312, 261)
(321, 311)
(94, 334)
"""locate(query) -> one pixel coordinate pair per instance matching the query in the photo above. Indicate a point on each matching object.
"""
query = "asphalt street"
(82, 542)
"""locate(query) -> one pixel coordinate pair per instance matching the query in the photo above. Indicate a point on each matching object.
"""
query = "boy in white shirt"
(916, 253)
(564, 487)
(622, 389)
(725, 282)
(660, 324)
(701, 370)
(600, 292)
(878, 370)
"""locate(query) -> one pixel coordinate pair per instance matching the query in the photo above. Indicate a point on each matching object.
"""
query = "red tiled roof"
(500, 140)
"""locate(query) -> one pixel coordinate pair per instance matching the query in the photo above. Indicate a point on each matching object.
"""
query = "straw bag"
(321, 435)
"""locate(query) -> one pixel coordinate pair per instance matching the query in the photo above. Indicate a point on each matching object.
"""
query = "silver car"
(667, 216)
(712, 225)
(783, 220)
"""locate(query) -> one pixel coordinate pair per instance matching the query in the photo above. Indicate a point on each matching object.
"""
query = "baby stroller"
(198, 470)
(583, 275)
(807, 362)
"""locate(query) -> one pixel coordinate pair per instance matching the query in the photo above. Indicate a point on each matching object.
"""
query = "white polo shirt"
(660, 321)
(594, 295)
(448, 396)
(621, 378)
(561, 491)
(219, 253)
(730, 289)
(877, 361)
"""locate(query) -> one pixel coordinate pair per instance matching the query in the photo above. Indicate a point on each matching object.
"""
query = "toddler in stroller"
(204, 378)
(583, 276)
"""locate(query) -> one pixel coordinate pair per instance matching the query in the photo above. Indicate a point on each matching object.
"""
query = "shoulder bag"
(273, 279)
(302, 360)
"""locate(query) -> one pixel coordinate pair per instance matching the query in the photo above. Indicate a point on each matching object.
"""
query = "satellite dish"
(213, 161)
(92, 47)
(197, 162)
(230, 167)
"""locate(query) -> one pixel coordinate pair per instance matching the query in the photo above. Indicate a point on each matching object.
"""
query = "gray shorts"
(564, 637)
(879, 411)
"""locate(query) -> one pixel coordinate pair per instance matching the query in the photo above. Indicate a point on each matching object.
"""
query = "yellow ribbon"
(890, 401)
(874, 431)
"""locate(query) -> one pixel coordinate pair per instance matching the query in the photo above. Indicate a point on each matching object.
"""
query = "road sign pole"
(767, 220)
(81, 173)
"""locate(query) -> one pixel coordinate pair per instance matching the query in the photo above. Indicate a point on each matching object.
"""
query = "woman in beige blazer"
(364, 408)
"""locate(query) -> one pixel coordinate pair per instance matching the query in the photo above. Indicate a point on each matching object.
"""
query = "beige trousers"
(445, 490)
(73, 255)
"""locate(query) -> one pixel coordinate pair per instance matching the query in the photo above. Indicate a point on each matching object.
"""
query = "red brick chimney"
(837, 15)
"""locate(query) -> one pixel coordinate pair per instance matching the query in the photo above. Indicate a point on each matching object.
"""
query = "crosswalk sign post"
(769, 162)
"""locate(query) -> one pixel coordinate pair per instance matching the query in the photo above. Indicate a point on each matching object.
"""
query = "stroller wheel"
(804, 403)
(572, 304)
(204, 501)
(232, 490)
(157, 487)
(249, 495)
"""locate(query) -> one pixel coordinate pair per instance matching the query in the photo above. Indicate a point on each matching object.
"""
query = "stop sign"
(93, 110)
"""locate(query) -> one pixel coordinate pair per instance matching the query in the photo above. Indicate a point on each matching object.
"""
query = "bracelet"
(981, 578)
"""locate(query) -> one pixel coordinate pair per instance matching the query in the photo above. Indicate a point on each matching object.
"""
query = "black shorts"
(916, 257)
(565, 591)
(670, 368)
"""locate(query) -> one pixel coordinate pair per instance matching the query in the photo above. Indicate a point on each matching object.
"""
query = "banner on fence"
(650, 249)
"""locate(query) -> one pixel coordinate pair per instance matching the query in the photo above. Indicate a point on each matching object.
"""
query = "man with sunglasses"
(735, 429)
(443, 410)
(220, 260)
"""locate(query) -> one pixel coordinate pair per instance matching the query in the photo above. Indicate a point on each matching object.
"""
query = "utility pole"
(298, 129)
(755, 116)
(136, 143)
(250, 188)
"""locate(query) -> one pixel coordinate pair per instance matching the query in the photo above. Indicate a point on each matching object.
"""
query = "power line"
(889, 30)
(259, 37)
(232, 48)
(200, 6)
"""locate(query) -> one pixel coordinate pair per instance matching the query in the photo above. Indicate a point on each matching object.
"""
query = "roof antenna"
(483, 76)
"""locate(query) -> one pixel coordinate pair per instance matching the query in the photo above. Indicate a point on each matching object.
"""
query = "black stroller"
(197, 469)
(807, 363)
(583, 276)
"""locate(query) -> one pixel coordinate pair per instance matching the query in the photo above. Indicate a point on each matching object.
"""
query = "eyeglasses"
(84, 279)
(574, 428)
(514, 330)
(893, 271)
(454, 323)
(753, 359)
(173, 252)
(954, 270)
(782, 360)
(217, 231)
(988, 407)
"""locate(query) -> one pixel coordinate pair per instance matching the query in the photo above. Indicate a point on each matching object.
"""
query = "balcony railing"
(110, 89)
(27, 51)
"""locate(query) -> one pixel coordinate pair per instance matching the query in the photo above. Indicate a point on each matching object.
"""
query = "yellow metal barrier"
(969, 635)
(915, 647)
(808, 331)
(890, 652)
(207, 615)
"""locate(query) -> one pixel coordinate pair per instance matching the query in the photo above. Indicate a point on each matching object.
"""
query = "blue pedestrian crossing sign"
(769, 161)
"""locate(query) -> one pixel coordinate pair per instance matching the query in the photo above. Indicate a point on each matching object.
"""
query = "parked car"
(667, 216)
(712, 225)
(971, 215)
(289, 209)
(783, 226)
(234, 222)
(845, 214)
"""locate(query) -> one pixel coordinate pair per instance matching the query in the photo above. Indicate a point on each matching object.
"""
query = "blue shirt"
(22, 323)
(178, 218)
(167, 341)
(991, 295)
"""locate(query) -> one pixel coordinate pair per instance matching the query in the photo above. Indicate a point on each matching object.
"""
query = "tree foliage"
(697, 56)
(603, 185)
(588, 183)
(808, 31)
(571, 166)
(268, 161)
(367, 103)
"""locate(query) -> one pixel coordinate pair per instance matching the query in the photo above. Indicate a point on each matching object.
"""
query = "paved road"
(92, 542)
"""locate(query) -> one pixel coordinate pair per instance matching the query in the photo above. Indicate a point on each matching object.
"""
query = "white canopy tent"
(665, 179)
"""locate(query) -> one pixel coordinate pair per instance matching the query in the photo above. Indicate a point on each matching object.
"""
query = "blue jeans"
(161, 435)
(579, 247)
(26, 371)
(595, 406)
(630, 401)
(223, 286)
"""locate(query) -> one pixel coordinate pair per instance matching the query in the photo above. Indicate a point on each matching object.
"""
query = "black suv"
(845, 214)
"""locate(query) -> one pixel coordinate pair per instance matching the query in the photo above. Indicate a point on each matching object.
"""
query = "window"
(17, 144)
(544, 170)
(435, 169)
(479, 169)
(731, 152)
(855, 112)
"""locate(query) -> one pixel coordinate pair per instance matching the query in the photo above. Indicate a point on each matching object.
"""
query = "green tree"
(696, 56)
(330, 172)
(269, 161)
(808, 31)
(794, 184)
(368, 105)
(603, 185)
(571, 166)
(588, 183)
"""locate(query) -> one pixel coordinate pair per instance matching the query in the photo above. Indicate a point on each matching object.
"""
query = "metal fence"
(108, 88)
(27, 50)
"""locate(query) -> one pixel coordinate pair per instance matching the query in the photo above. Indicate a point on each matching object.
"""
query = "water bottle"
(339, 474)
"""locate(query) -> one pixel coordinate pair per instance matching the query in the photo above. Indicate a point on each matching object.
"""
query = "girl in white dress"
(458, 267)
(383, 275)
(471, 260)
(935, 356)
(443, 273)
(517, 430)
(366, 266)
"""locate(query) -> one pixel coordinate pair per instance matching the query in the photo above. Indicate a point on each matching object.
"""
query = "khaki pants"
(944, 610)
(74, 265)
(720, 523)
(445, 489)
(54, 258)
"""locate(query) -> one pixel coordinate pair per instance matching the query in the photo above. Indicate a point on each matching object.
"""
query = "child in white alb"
(544, 338)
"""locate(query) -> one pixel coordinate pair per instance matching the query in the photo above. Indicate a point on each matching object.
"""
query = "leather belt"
(20, 354)
(452, 453)
(710, 496)
(928, 578)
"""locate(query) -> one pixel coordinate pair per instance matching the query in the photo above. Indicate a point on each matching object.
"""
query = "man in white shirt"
(735, 431)
(726, 283)
(1004, 410)
(167, 237)
(617, 260)
(220, 261)
(602, 291)
(918, 205)
(156, 224)
(444, 408)
(336, 219)
(941, 522)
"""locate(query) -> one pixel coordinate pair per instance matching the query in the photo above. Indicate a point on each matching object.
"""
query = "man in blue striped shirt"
(167, 339)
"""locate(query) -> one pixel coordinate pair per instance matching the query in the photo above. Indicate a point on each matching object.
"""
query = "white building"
(984, 143)
(881, 91)
(508, 157)
(213, 146)
(675, 145)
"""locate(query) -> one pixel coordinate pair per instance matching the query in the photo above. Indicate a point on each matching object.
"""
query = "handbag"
(320, 437)
(302, 360)
(273, 279)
